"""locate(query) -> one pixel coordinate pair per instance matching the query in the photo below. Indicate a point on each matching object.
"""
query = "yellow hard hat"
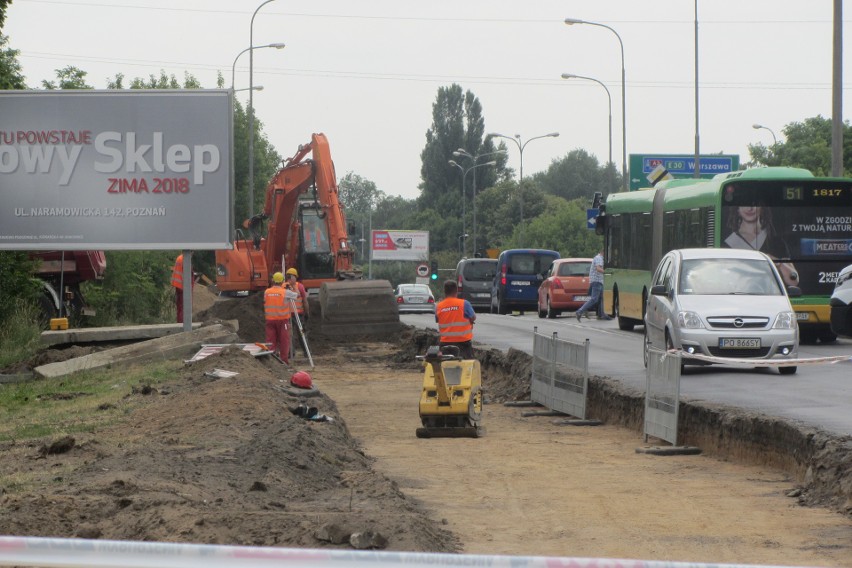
(293, 271)
(278, 278)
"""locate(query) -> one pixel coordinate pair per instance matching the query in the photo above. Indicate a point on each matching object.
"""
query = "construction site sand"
(225, 461)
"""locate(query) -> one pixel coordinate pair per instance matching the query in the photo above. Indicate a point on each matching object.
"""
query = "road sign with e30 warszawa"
(679, 166)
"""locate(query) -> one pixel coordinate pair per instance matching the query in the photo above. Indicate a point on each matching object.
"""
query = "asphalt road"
(817, 395)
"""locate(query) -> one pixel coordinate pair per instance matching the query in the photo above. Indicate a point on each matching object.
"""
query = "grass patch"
(78, 403)
(20, 335)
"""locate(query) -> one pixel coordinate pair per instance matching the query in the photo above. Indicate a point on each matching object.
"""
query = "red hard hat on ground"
(302, 380)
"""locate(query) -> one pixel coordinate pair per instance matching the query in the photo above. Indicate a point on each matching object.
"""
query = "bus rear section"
(519, 274)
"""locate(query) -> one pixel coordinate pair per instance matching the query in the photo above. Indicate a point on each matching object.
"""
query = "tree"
(10, 69)
(69, 77)
(808, 146)
(578, 174)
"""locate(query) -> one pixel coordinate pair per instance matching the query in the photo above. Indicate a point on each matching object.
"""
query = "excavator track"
(358, 308)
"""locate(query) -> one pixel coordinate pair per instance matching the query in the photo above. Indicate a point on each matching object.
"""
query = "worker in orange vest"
(455, 318)
(276, 308)
(301, 303)
(177, 284)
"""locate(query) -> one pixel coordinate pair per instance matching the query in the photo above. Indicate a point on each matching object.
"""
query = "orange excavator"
(306, 230)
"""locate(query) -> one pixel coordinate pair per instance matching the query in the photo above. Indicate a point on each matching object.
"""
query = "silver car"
(841, 304)
(415, 299)
(721, 303)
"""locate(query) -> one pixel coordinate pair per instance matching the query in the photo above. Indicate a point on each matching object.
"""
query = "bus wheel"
(624, 324)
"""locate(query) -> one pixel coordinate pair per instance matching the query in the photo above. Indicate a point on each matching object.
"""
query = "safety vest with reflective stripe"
(452, 324)
(177, 273)
(275, 305)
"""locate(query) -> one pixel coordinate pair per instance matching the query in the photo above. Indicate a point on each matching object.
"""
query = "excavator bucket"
(358, 308)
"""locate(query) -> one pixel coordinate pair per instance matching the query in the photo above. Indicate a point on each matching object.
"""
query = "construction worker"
(301, 303)
(177, 284)
(455, 318)
(276, 308)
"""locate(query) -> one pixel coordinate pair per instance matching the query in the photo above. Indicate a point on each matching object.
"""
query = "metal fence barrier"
(560, 374)
(662, 395)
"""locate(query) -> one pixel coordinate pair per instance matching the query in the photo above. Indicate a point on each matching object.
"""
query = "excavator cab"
(316, 259)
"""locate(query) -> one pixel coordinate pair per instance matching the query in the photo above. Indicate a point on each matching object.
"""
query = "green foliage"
(578, 174)
(135, 290)
(562, 227)
(10, 68)
(69, 77)
(808, 146)
(20, 335)
(17, 284)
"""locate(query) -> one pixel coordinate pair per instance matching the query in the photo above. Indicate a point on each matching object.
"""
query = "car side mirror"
(794, 291)
(659, 290)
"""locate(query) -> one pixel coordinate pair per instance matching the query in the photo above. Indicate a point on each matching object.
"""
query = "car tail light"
(400, 300)
(557, 283)
(460, 283)
(431, 300)
(503, 275)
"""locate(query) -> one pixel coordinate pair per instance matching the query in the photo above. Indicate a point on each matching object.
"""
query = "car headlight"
(785, 320)
(689, 320)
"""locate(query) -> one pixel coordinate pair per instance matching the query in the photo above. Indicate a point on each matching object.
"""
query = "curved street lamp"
(234, 66)
(464, 172)
(474, 159)
(759, 126)
(521, 145)
(571, 22)
(609, 97)
(251, 108)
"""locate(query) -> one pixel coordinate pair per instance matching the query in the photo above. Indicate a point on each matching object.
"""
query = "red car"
(566, 286)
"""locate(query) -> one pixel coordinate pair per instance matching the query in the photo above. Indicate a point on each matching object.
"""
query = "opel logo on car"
(738, 322)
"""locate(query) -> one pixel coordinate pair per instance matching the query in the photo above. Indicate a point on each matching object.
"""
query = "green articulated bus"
(803, 222)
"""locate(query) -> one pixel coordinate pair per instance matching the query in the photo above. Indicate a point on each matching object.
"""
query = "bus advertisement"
(803, 222)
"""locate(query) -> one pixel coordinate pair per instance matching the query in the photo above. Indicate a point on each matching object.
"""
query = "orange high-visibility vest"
(177, 273)
(275, 305)
(297, 288)
(452, 325)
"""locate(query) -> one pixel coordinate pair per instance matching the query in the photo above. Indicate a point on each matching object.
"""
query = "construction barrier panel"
(560, 374)
(662, 395)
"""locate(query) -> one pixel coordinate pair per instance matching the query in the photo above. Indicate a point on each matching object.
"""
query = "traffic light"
(434, 270)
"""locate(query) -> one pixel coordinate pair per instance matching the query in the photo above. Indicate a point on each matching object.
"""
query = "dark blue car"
(519, 274)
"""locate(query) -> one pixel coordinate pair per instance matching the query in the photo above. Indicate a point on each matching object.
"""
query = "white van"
(721, 303)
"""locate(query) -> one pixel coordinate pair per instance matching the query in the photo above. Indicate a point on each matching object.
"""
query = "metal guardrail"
(662, 395)
(560, 374)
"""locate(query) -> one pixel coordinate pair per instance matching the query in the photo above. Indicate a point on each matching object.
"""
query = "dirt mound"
(247, 310)
(203, 299)
(218, 460)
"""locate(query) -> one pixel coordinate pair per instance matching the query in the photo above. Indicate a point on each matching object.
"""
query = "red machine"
(61, 273)
(306, 230)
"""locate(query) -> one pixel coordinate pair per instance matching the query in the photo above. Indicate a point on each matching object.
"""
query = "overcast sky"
(366, 72)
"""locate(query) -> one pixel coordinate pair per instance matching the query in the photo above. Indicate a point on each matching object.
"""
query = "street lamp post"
(465, 171)
(759, 126)
(475, 159)
(234, 66)
(572, 21)
(251, 109)
(521, 145)
(609, 98)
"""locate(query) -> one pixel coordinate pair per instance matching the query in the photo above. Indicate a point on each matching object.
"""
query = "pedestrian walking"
(596, 280)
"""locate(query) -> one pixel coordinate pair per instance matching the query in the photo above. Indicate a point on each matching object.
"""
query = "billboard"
(138, 170)
(400, 245)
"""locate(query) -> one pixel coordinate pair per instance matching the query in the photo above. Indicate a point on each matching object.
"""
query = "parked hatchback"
(415, 299)
(565, 286)
(841, 304)
(474, 277)
(724, 303)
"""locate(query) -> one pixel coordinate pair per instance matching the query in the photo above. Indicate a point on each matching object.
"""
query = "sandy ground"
(530, 487)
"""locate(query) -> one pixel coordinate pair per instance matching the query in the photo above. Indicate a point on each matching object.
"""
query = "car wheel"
(787, 370)
(827, 336)
(541, 313)
(624, 324)
(502, 309)
(551, 313)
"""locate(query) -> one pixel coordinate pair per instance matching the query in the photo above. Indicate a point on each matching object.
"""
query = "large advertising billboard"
(117, 170)
(400, 245)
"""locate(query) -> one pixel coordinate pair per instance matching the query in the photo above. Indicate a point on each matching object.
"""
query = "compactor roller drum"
(451, 400)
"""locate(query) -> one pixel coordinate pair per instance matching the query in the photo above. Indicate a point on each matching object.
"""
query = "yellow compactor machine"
(451, 400)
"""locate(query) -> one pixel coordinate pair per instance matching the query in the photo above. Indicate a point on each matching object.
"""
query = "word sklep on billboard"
(115, 170)
(400, 245)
